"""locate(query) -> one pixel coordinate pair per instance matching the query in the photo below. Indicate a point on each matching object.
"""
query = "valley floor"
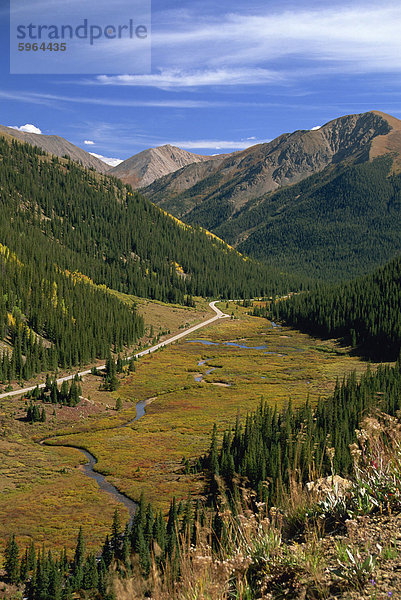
(225, 370)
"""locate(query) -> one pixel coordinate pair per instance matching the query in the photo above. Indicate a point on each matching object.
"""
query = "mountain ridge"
(339, 215)
(286, 160)
(58, 146)
(141, 170)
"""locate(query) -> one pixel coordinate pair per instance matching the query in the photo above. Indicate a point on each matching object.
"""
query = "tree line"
(273, 446)
(148, 538)
(50, 319)
(364, 312)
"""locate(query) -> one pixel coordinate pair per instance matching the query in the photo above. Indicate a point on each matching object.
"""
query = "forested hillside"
(50, 318)
(67, 234)
(54, 144)
(55, 212)
(365, 312)
(335, 225)
(273, 446)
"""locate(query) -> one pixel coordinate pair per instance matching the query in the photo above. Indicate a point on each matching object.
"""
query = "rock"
(325, 485)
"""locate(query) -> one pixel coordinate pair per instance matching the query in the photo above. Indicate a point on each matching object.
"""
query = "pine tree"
(90, 573)
(116, 535)
(11, 563)
(79, 557)
(107, 553)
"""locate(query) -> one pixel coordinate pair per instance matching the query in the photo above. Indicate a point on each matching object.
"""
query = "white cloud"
(28, 128)
(89, 143)
(364, 33)
(274, 47)
(216, 144)
(168, 78)
(113, 162)
(316, 128)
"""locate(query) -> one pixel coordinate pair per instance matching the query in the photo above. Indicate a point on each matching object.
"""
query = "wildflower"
(330, 453)
(355, 452)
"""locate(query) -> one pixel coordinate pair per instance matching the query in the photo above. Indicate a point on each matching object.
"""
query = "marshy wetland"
(192, 386)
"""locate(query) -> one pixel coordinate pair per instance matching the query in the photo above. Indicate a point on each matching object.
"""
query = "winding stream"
(89, 468)
(104, 485)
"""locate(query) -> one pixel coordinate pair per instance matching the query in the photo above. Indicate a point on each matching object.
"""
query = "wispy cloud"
(215, 144)
(29, 97)
(168, 78)
(56, 100)
(113, 135)
(254, 49)
(89, 143)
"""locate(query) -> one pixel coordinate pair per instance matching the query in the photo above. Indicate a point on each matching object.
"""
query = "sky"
(224, 76)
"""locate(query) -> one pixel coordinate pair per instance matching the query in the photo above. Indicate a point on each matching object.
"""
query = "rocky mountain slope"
(225, 185)
(53, 144)
(144, 168)
(325, 203)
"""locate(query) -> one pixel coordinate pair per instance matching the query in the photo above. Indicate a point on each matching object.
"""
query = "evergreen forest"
(55, 212)
(365, 312)
(332, 226)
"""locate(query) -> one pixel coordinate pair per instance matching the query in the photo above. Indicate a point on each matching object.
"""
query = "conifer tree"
(79, 557)
(90, 573)
(107, 553)
(116, 535)
(11, 562)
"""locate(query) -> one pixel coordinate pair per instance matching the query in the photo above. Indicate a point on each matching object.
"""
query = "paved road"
(179, 336)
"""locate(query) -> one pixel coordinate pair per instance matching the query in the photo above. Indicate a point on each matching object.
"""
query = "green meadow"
(44, 495)
(44, 492)
(147, 456)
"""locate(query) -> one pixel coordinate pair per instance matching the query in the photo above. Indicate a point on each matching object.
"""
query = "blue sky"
(224, 76)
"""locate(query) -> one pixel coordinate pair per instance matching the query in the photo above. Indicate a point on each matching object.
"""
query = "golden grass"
(147, 456)
(44, 495)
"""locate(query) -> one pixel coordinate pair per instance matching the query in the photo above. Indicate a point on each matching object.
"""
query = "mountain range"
(323, 203)
(58, 146)
(144, 168)
(226, 186)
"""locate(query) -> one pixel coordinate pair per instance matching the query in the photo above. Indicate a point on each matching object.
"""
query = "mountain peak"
(389, 143)
(211, 192)
(144, 168)
(393, 121)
